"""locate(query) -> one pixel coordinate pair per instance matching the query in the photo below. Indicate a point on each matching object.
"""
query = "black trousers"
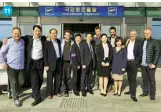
(111, 80)
(132, 69)
(86, 77)
(148, 76)
(16, 80)
(54, 76)
(95, 81)
(76, 79)
(37, 70)
(27, 76)
(66, 76)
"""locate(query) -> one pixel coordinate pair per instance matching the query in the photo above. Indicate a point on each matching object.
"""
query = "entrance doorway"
(80, 28)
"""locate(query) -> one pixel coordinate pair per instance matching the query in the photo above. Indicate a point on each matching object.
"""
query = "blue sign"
(104, 11)
(7, 10)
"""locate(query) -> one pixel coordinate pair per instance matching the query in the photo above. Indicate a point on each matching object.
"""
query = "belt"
(37, 59)
(131, 59)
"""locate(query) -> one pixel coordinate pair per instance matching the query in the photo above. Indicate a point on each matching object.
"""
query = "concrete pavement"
(91, 103)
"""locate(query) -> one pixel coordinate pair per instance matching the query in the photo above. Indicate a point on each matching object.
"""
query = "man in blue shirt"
(12, 57)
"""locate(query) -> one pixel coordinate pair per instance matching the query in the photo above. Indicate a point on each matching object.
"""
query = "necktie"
(91, 51)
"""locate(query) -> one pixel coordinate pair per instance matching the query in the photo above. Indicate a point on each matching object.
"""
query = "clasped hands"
(105, 64)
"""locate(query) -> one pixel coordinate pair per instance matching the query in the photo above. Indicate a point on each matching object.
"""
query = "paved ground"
(92, 103)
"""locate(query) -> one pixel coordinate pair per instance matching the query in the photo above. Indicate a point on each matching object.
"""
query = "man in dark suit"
(35, 46)
(134, 57)
(88, 63)
(52, 59)
(76, 64)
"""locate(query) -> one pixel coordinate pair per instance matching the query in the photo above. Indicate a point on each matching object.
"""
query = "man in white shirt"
(35, 46)
(34, 60)
(134, 57)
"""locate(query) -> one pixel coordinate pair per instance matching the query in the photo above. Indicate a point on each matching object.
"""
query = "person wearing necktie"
(76, 64)
(88, 63)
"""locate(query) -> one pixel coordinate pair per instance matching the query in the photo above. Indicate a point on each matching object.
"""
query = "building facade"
(136, 16)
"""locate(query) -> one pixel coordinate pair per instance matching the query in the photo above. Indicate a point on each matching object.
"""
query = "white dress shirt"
(113, 42)
(106, 50)
(56, 47)
(37, 50)
(130, 49)
(91, 49)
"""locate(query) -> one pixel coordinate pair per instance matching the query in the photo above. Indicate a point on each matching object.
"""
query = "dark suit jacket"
(50, 54)
(86, 54)
(137, 51)
(28, 46)
(100, 54)
(75, 56)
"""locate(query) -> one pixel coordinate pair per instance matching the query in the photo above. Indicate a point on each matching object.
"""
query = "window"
(138, 27)
(105, 29)
(26, 29)
(3, 26)
(156, 33)
(156, 29)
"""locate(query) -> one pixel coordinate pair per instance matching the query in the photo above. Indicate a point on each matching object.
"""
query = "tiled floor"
(92, 103)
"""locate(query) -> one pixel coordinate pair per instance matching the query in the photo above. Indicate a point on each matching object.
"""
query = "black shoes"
(76, 93)
(84, 94)
(115, 94)
(127, 93)
(152, 98)
(109, 88)
(35, 103)
(134, 99)
(144, 94)
(17, 103)
(119, 94)
(90, 92)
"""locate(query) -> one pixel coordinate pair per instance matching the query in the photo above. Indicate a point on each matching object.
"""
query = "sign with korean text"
(104, 11)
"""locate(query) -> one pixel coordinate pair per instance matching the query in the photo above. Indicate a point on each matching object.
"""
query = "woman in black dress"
(104, 57)
(119, 63)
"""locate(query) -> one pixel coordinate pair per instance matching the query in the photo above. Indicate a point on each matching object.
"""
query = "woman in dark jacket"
(119, 63)
(104, 57)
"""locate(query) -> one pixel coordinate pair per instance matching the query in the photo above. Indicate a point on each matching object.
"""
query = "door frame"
(62, 26)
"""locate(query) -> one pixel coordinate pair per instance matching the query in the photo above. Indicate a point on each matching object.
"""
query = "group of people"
(83, 65)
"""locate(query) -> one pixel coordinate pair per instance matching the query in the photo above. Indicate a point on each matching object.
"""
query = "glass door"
(80, 28)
